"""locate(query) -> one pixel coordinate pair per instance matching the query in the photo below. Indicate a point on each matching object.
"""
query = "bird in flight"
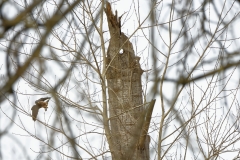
(40, 103)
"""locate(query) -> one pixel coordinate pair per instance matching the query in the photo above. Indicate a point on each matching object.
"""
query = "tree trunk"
(126, 109)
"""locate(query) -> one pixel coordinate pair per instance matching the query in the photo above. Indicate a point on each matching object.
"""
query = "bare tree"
(103, 70)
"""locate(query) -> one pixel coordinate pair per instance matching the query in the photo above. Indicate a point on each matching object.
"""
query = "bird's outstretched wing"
(42, 99)
(35, 109)
(43, 102)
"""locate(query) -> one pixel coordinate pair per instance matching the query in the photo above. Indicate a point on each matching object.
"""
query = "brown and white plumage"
(40, 103)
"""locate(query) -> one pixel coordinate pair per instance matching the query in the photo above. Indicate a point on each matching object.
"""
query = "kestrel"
(40, 103)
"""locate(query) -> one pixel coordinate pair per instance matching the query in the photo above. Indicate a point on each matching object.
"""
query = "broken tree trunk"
(126, 109)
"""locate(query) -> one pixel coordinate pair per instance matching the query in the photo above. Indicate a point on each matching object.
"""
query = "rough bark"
(126, 109)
